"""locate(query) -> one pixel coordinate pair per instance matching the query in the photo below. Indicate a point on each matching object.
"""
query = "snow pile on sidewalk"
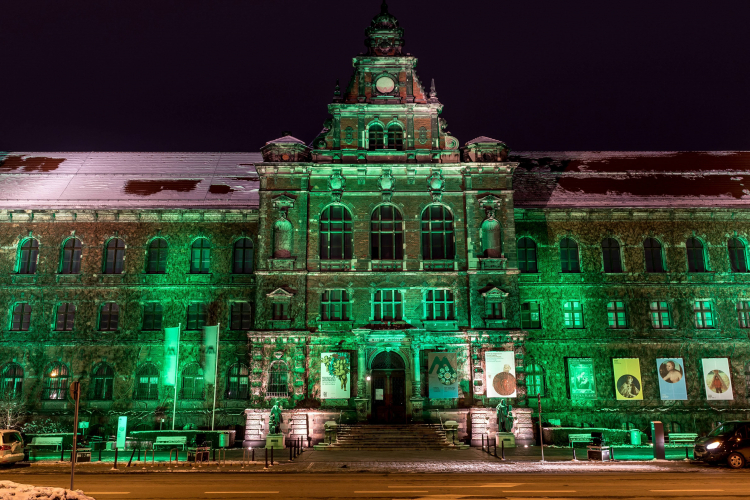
(14, 491)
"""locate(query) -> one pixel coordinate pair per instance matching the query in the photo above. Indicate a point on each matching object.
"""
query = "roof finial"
(384, 8)
(433, 92)
(337, 92)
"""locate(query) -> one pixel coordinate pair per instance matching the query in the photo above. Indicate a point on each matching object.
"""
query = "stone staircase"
(391, 437)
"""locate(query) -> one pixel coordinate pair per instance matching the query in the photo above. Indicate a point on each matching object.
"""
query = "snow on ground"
(14, 491)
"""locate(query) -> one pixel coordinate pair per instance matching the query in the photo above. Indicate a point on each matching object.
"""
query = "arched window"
(569, 256)
(278, 380)
(109, 316)
(653, 255)
(527, 255)
(71, 257)
(147, 382)
(192, 382)
(200, 256)
(611, 255)
(534, 379)
(375, 137)
(157, 256)
(102, 383)
(737, 256)
(114, 258)
(238, 382)
(395, 137)
(695, 255)
(335, 233)
(12, 381)
(56, 382)
(243, 256)
(28, 254)
(437, 233)
(387, 234)
(492, 240)
(21, 318)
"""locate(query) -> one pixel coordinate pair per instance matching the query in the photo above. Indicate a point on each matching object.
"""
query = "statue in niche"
(491, 232)
(505, 416)
(282, 237)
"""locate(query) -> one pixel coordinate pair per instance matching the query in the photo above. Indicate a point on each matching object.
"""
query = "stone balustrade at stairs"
(392, 437)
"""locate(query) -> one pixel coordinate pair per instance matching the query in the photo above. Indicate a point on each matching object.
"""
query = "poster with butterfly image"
(716, 379)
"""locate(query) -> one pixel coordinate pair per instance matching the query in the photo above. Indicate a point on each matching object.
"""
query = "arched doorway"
(388, 389)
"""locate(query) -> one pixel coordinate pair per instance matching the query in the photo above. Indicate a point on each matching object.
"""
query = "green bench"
(180, 441)
(579, 438)
(682, 437)
(56, 441)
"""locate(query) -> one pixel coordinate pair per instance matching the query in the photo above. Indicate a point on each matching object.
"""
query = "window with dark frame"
(191, 382)
(375, 137)
(569, 260)
(66, 316)
(157, 256)
(534, 379)
(695, 255)
(387, 233)
(196, 316)
(527, 255)
(56, 382)
(71, 256)
(21, 318)
(243, 256)
(114, 256)
(153, 312)
(102, 383)
(437, 233)
(242, 316)
(611, 255)
(147, 383)
(11, 382)
(278, 380)
(334, 306)
(704, 314)
(387, 305)
(335, 233)
(660, 314)
(395, 137)
(737, 255)
(109, 316)
(280, 310)
(238, 382)
(616, 315)
(573, 314)
(439, 305)
(200, 256)
(495, 310)
(531, 317)
(28, 255)
(743, 313)
(652, 251)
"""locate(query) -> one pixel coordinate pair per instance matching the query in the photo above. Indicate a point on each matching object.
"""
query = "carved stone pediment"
(281, 294)
(495, 294)
(283, 202)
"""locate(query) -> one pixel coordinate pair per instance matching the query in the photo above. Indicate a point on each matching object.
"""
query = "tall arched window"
(437, 233)
(56, 382)
(238, 382)
(278, 380)
(147, 382)
(102, 382)
(654, 256)
(243, 256)
(192, 382)
(375, 137)
(200, 256)
(12, 381)
(611, 255)
(534, 379)
(335, 233)
(527, 255)
(71, 256)
(387, 234)
(569, 260)
(157, 256)
(28, 254)
(114, 256)
(695, 256)
(737, 255)
(395, 137)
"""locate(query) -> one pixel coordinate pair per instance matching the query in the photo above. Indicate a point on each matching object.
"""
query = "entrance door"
(388, 389)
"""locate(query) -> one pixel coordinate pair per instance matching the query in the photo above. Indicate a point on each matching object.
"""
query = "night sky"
(220, 75)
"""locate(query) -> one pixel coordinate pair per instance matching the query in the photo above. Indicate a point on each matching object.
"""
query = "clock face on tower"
(384, 85)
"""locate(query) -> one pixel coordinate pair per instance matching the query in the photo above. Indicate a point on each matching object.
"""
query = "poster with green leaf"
(442, 374)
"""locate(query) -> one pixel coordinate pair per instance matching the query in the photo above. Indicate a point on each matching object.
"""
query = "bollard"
(100, 454)
(266, 458)
(611, 454)
(62, 454)
(253, 458)
(271, 455)
(687, 456)
(139, 455)
(575, 459)
(215, 454)
(496, 449)
(502, 449)
(482, 442)
(115, 465)
(290, 453)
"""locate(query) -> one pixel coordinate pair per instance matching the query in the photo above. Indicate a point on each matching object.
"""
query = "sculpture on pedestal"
(505, 416)
(274, 420)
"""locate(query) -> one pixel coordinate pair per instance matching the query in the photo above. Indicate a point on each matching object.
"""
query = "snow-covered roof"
(128, 180)
(631, 179)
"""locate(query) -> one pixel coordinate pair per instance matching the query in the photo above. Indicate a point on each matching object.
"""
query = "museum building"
(383, 273)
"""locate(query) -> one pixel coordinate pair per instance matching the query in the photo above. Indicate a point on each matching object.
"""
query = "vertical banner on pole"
(628, 378)
(210, 340)
(716, 379)
(442, 374)
(171, 343)
(122, 429)
(500, 370)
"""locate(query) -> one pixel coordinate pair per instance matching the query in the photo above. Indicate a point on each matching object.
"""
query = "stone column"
(362, 399)
(417, 401)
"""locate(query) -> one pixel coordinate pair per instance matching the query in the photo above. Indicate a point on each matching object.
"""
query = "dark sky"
(228, 75)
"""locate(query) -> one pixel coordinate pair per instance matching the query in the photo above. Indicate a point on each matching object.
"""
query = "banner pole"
(177, 371)
(216, 375)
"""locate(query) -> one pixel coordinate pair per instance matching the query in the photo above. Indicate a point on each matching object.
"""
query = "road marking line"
(108, 493)
(238, 492)
(490, 485)
(540, 491)
(684, 490)
(403, 491)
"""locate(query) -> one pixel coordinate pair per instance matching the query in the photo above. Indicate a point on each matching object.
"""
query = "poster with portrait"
(716, 379)
(581, 378)
(442, 374)
(500, 370)
(334, 375)
(671, 379)
(628, 384)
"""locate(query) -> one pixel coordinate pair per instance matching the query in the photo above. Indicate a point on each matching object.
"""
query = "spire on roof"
(384, 37)
(337, 92)
(433, 92)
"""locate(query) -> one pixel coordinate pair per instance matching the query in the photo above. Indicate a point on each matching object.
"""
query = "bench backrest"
(47, 440)
(579, 436)
(682, 435)
(171, 439)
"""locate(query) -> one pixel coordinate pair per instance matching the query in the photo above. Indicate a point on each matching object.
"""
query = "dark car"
(729, 442)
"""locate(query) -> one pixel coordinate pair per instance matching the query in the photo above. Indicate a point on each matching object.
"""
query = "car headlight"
(713, 445)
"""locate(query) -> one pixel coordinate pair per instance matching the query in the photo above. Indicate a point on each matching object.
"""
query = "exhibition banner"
(716, 378)
(628, 378)
(581, 378)
(672, 378)
(171, 346)
(500, 373)
(211, 341)
(334, 375)
(442, 374)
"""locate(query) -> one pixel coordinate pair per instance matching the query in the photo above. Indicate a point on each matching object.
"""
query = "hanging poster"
(672, 378)
(581, 378)
(628, 379)
(716, 378)
(442, 374)
(211, 341)
(500, 369)
(334, 375)
(171, 348)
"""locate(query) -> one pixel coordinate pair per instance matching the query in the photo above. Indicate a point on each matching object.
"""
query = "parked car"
(11, 446)
(729, 442)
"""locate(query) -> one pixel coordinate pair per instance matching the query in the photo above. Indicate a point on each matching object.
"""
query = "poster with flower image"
(442, 374)
(716, 379)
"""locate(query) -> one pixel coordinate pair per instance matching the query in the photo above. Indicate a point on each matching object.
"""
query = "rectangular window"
(531, 315)
(109, 317)
(196, 317)
(21, 317)
(241, 316)
(743, 313)
(280, 310)
(334, 306)
(439, 305)
(573, 314)
(387, 305)
(616, 314)
(704, 315)
(495, 310)
(152, 316)
(660, 317)
(66, 315)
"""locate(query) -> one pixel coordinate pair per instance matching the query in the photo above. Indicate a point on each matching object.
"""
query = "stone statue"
(505, 416)
(274, 420)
